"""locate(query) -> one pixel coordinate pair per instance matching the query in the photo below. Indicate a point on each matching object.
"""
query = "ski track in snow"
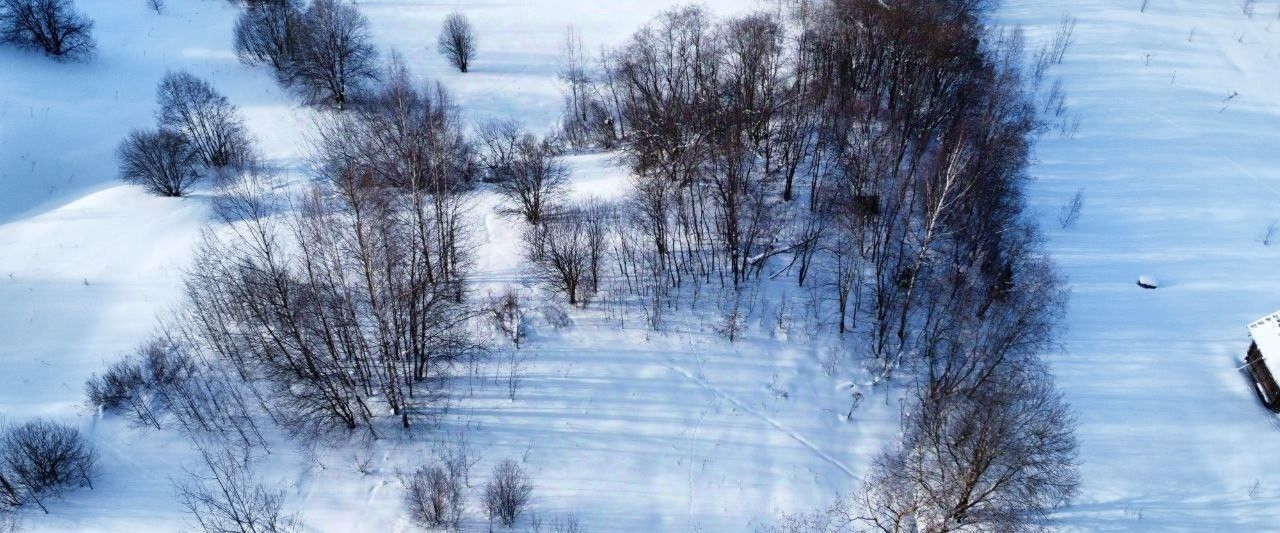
(776, 425)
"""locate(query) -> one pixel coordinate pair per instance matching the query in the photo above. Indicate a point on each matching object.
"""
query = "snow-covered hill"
(1176, 155)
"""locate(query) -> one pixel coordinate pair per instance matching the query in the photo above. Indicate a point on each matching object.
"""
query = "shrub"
(433, 496)
(507, 493)
(162, 161)
(40, 458)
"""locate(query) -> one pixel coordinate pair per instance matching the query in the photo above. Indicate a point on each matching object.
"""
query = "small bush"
(507, 493)
(51, 26)
(162, 161)
(457, 41)
(508, 315)
(40, 458)
(433, 496)
(114, 388)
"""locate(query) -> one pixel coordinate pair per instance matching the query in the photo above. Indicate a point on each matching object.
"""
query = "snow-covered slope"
(683, 431)
(631, 431)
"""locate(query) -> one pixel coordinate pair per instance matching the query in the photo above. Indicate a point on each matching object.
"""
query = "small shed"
(1265, 347)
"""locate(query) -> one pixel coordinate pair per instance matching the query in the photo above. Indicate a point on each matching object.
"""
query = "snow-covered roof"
(1266, 333)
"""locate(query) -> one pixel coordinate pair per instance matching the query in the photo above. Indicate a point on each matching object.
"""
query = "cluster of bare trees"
(354, 305)
(40, 459)
(322, 50)
(338, 310)
(697, 106)
(350, 307)
(198, 129)
(876, 152)
(54, 27)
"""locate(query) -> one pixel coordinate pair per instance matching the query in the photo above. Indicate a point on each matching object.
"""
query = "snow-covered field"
(683, 431)
(1180, 183)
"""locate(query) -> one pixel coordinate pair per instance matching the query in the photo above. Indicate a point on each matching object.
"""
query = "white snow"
(683, 431)
(1180, 178)
(1266, 333)
(631, 430)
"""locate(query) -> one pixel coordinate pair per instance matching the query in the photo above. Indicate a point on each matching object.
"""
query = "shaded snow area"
(1177, 155)
(1181, 181)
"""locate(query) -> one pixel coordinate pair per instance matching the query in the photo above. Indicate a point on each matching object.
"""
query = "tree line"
(875, 152)
(872, 153)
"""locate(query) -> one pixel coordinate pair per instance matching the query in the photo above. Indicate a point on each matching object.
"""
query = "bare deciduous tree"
(226, 498)
(457, 42)
(533, 180)
(560, 252)
(998, 458)
(51, 26)
(507, 493)
(162, 161)
(268, 32)
(508, 315)
(335, 58)
(210, 122)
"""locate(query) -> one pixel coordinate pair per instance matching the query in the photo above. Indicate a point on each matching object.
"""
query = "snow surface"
(682, 431)
(632, 431)
(1181, 183)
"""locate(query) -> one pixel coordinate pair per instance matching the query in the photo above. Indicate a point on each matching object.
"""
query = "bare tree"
(499, 144)
(457, 42)
(162, 161)
(210, 122)
(40, 458)
(587, 120)
(269, 32)
(560, 252)
(335, 58)
(533, 179)
(52, 26)
(433, 497)
(998, 458)
(226, 498)
(507, 493)
(508, 315)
